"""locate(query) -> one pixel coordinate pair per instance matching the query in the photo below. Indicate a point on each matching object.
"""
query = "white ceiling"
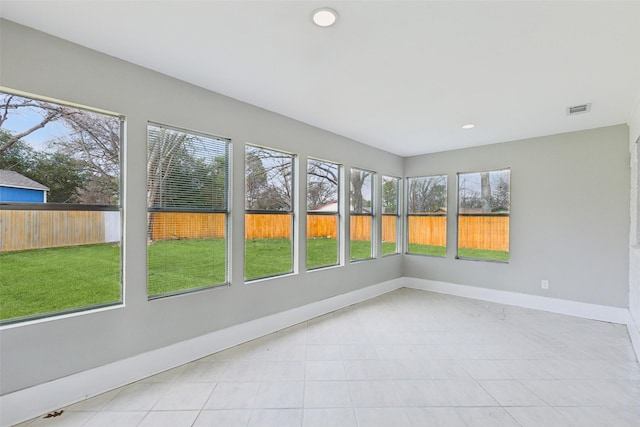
(403, 76)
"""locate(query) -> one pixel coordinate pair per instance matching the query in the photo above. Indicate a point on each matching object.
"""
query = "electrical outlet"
(544, 284)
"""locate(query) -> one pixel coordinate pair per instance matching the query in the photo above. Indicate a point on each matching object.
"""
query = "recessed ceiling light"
(325, 17)
(468, 126)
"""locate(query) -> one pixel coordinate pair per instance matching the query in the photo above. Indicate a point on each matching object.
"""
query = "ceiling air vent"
(578, 109)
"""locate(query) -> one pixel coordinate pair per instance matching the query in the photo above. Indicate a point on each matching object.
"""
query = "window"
(268, 213)
(427, 215)
(483, 215)
(361, 218)
(390, 215)
(187, 175)
(60, 208)
(323, 214)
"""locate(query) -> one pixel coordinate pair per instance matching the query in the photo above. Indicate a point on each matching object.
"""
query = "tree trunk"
(485, 185)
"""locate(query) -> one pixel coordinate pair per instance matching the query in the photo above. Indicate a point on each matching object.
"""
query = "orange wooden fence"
(183, 225)
(427, 230)
(322, 226)
(40, 229)
(484, 232)
(389, 230)
(480, 232)
(177, 225)
(267, 226)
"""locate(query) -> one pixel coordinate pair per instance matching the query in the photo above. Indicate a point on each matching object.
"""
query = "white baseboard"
(633, 326)
(25, 404)
(554, 305)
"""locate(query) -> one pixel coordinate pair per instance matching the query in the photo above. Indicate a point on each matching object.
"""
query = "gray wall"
(43, 65)
(569, 216)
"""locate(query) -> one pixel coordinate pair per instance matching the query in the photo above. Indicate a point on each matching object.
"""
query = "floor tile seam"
(525, 387)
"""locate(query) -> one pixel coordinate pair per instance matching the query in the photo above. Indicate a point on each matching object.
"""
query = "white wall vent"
(578, 109)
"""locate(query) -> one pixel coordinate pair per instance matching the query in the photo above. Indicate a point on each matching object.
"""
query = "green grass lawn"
(432, 250)
(360, 249)
(321, 252)
(35, 282)
(178, 265)
(267, 257)
(483, 254)
(57, 279)
(389, 248)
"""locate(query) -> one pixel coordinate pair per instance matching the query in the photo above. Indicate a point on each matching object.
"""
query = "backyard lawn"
(483, 254)
(432, 250)
(465, 253)
(57, 279)
(49, 280)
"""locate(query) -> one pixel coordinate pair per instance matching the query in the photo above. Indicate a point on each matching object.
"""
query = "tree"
(319, 193)
(48, 112)
(18, 157)
(163, 145)
(93, 142)
(255, 180)
(95, 139)
(427, 194)
(485, 192)
(389, 196)
(268, 179)
(500, 199)
(322, 184)
(63, 174)
(359, 182)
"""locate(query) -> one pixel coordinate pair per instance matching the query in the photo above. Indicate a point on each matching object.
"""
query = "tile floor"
(407, 358)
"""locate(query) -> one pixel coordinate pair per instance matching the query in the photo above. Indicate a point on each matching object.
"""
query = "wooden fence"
(181, 225)
(484, 232)
(477, 232)
(31, 229)
(389, 230)
(41, 229)
(427, 230)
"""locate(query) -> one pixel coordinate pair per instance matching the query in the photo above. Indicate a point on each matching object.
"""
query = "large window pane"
(361, 218)
(390, 215)
(187, 176)
(427, 215)
(60, 212)
(268, 213)
(484, 206)
(323, 207)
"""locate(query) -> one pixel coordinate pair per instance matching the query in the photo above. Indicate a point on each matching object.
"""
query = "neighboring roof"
(327, 207)
(333, 207)
(14, 179)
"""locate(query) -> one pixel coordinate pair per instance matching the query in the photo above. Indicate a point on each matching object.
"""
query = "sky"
(24, 118)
